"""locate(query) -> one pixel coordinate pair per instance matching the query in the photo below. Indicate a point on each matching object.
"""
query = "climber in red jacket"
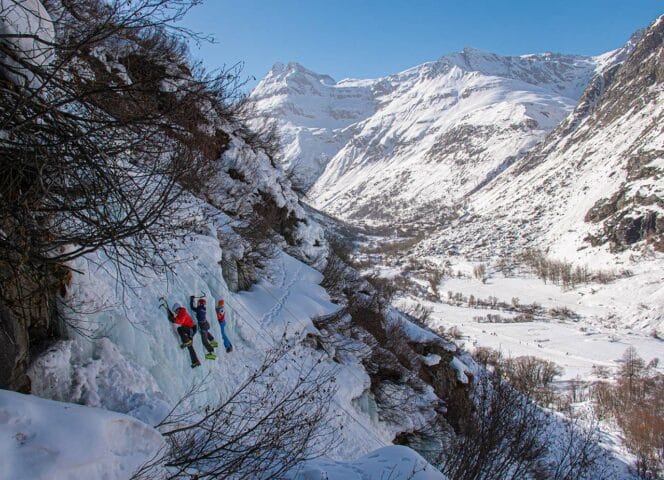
(186, 330)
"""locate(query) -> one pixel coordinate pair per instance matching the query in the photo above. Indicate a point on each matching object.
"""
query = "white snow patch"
(47, 440)
(393, 462)
(460, 370)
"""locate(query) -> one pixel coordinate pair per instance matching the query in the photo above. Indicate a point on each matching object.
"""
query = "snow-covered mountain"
(317, 116)
(595, 181)
(325, 377)
(408, 145)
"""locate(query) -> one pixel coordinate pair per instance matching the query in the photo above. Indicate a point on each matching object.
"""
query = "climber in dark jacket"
(204, 326)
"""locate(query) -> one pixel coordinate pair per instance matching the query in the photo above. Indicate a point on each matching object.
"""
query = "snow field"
(394, 462)
(613, 317)
(46, 440)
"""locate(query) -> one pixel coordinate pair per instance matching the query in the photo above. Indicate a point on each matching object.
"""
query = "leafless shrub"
(495, 318)
(394, 248)
(531, 309)
(334, 276)
(504, 440)
(523, 318)
(383, 367)
(532, 376)
(434, 277)
(563, 313)
(386, 287)
(260, 431)
(564, 273)
(342, 249)
(505, 266)
(487, 356)
(397, 343)
(600, 371)
(419, 314)
(479, 272)
(511, 438)
(574, 452)
(636, 403)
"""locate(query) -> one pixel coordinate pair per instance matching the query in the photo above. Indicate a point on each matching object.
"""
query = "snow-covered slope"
(595, 181)
(388, 462)
(46, 440)
(245, 238)
(590, 194)
(316, 115)
(407, 145)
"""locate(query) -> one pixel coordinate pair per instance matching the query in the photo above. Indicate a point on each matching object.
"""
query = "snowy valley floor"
(612, 317)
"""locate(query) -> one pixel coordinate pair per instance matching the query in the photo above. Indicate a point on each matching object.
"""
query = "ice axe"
(164, 304)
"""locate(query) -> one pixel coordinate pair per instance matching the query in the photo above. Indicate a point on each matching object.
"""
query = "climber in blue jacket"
(221, 317)
(203, 326)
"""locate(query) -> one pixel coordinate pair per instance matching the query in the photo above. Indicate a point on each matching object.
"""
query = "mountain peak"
(295, 69)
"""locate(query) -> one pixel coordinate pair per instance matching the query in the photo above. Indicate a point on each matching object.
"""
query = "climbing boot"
(210, 356)
(196, 364)
(214, 344)
(229, 349)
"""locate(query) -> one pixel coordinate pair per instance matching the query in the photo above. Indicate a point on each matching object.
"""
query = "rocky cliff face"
(635, 212)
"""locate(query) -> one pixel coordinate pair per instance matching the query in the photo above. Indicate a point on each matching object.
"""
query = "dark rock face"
(14, 351)
(26, 327)
(631, 214)
(626, 220)
(605, 207)
(628, 229)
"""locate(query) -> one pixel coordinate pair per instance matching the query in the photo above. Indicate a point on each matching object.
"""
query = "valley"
(451, 272)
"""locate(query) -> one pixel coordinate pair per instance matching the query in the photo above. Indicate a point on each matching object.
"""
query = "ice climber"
(221, 317)
(186, 330)
(204, 326)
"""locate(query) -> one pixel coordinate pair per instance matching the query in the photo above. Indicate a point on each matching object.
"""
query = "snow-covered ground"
(612, 317)
(46, 440)
(393, 462)
(126, 357)
(49, 440)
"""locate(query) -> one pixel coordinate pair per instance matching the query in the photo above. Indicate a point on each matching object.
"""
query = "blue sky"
(370, 38)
